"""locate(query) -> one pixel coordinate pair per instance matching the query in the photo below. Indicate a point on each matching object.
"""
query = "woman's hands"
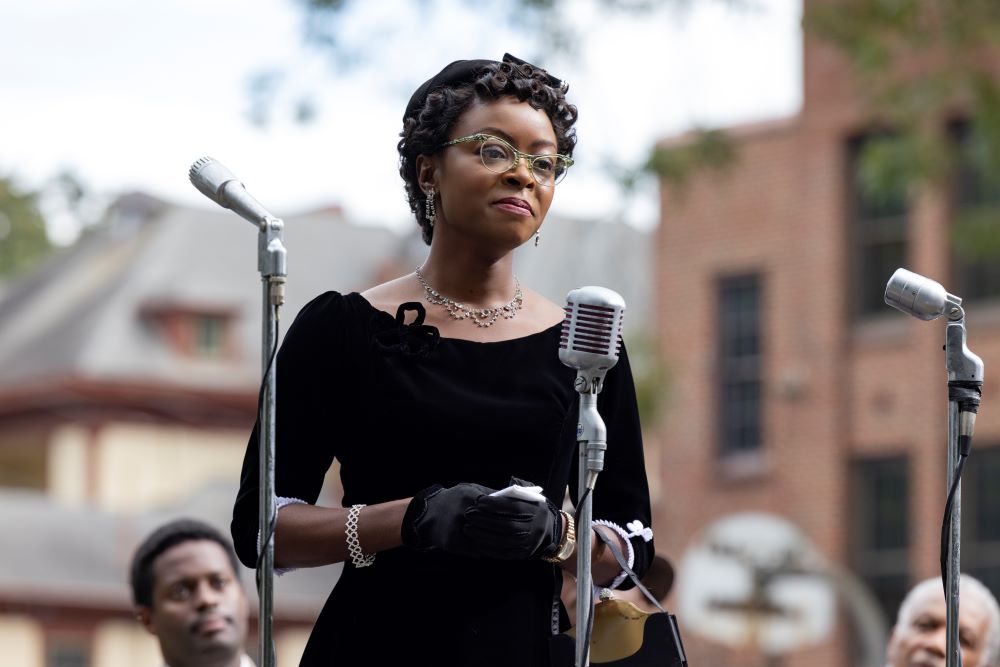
(435, 518)
(467, 521)
(512, 528)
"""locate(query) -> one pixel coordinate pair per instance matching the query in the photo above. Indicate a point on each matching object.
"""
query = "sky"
(128, 94)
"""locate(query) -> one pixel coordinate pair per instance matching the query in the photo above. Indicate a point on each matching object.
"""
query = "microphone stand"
(592, 438)
(965, 374)
(221, 186)
(272, 264)
(925, 299)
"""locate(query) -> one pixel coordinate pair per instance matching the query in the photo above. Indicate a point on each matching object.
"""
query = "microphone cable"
(967, 395)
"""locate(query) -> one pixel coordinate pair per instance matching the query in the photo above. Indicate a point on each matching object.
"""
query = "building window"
(981, 516)
(193, 331)
(210, 333)
(24, 460)
(66, 653)
(739, 392)
(976, 221)
(877, 218)
(881, 530)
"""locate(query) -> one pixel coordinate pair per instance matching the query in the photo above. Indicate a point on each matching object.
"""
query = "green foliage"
(334, 28)
(706, 150)
(890, 165)
(326, 5)
(976, 233)
(920, 63)
(651, 377)
(23, 240)
(985, 145)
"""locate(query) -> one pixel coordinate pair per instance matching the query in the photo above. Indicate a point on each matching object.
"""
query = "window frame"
(870, 230)
(872, 561)
(733, 370)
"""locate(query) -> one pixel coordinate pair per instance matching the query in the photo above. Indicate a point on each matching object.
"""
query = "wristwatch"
(567, 544)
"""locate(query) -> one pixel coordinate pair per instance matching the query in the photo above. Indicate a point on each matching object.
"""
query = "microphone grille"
(198, 165)
(593, 323)
(597, 330)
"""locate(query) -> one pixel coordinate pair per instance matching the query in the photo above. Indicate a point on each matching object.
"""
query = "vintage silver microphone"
(220, 185)
(590, 343)
(927, 300)
(591, 332)
(921, 297)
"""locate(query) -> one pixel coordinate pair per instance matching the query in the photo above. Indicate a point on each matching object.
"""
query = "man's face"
(919, 641)
(199, 610)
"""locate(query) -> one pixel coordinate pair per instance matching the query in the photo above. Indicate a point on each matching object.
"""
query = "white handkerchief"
(523, 492)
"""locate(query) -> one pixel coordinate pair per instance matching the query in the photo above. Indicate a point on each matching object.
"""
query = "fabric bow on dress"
(409, 340)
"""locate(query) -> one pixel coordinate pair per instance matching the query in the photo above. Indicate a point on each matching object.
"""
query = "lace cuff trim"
(280, 502)
(636, 530)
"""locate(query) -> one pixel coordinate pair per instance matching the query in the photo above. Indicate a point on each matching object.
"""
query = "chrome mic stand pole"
(965, 379)
(592, 439)
(220, 185)
(590, 342)
(272, 264)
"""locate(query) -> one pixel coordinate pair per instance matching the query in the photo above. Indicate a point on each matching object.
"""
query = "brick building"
(795, 391)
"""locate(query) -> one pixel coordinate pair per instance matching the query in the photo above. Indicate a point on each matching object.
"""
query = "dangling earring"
(537, 236)
(430, 212)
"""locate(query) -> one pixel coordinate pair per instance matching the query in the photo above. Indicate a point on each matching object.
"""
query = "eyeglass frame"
(528, 157)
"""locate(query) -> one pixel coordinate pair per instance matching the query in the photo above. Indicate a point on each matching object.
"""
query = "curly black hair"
(428, 128)
(163, 538)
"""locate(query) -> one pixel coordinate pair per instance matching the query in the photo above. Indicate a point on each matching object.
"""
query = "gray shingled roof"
(80, 555)
(79, 315)
(573, 253)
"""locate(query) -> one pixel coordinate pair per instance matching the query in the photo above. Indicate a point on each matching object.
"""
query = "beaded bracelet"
(358, 557)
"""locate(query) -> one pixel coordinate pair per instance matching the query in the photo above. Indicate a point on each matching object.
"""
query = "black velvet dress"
(401, 410)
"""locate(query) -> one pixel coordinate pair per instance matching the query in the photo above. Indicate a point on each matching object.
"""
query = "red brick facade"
(835, 390)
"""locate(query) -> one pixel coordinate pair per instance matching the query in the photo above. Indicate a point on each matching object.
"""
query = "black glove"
(435, 518)
(512, 528)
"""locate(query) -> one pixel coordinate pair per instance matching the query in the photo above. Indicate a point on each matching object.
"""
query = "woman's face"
(504, 208)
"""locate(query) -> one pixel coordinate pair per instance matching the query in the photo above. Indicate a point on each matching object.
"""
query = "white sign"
(753, 581)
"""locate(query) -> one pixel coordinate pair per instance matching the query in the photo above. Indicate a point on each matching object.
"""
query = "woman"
(432, 396)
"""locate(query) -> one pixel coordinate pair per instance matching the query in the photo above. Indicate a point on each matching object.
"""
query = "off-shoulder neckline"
(392, 318)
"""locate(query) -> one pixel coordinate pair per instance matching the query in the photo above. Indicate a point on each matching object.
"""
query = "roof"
(573, 253)
(71, 555)
(80, 315)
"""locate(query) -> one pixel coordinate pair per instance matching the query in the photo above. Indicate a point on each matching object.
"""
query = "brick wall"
(834, 389)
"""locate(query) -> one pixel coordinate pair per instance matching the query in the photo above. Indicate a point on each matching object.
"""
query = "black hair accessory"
(464, 71)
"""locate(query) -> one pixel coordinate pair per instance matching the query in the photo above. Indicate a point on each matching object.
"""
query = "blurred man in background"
(918, 638)
(187, 593)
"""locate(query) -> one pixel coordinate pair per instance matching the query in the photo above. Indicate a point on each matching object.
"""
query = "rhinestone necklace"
(481, 317)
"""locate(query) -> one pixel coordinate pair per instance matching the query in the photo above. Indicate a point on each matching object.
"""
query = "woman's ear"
(427, 173)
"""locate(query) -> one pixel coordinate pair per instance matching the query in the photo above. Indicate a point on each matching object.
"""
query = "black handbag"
(622, 634)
